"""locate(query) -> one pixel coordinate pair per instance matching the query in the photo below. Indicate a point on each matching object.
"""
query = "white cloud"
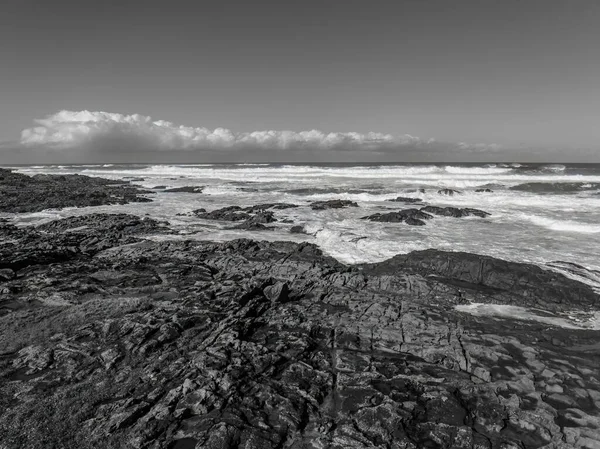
(68, 129)
(85, 133)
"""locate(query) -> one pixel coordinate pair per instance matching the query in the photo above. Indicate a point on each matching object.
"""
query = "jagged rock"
(277, 292)
(253, 217)
(484, 190)
(273, 344)
(265, 206)
(230, 213)
(33, 359)
(332, 204)
(412, 217)
(455, 211)
(405, 199)
(251, 225)
(22, 193)
(6, 274)
(556, 187)
(263, 216)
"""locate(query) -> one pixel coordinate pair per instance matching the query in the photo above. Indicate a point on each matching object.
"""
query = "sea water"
(543, 214)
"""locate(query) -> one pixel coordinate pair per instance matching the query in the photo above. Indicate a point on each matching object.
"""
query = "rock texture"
(456, 212)
(412, 217)
(416, 217)
(22, 193)
(405, 199)
(332, 204)
(109, 341)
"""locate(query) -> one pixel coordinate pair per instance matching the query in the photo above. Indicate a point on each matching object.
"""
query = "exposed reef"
(22, 193)
(108, 340)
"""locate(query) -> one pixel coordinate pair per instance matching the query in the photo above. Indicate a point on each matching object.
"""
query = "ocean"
(546, 214)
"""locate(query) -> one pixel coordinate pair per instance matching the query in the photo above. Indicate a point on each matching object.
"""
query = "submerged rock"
(455, 211)
(404, 199)
(230, 213)
(556, 187)
(298, 229)
(332, 204)
(250, 225)
(412, 217)
(265, 206)
(253, 217)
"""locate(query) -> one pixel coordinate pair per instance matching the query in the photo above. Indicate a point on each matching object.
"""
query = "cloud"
(86, 136)
(69, 129)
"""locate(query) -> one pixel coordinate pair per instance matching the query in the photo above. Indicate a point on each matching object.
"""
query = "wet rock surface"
(332, 204)
(416, 217)
(22, 193)
(253, 218)
(111, 341)
(555, 187)
(456, 212)
(412, 217)
(229, 213)
(405, 199)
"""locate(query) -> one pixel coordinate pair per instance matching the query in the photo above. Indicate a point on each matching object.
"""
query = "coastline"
(113, 340)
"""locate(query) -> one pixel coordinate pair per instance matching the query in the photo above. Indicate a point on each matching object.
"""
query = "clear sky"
(515, 73)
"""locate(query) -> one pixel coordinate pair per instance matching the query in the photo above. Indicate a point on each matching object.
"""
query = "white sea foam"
(524, 226)
(562, 225)
(574, 320)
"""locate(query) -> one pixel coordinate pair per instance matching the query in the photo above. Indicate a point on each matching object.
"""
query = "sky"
(325, 80)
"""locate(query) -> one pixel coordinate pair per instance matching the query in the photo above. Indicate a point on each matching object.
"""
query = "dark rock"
(230, 213)
(6, 274)
(277, 292)
(250, 225)
(555, 187)
(298, 229)
(69, 238)
(404, 199)
(412, 217)
(265, 206)
(483, 190)
(507, 282)
(176, 344)
(449, 192)
(256, 222)
(159, 187)
(332, 204)
(455, 211)
(263, 216)
(414, 221)
(22, 193)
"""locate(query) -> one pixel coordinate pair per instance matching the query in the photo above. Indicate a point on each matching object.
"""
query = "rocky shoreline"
(110, 340)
